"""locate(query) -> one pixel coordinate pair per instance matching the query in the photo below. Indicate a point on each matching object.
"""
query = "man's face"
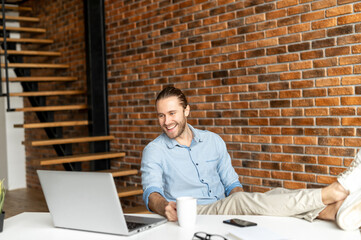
(172, 116)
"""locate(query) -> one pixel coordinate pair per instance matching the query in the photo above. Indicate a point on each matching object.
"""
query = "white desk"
(39, 226)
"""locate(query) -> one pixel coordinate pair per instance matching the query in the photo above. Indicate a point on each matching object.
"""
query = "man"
(184, 161)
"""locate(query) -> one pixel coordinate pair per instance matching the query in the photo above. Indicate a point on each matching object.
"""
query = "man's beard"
(181, 128)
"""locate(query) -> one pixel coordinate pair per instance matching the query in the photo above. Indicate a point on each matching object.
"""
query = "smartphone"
(239, 222)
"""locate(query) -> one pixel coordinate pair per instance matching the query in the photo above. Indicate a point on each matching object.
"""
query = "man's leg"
(302, 203)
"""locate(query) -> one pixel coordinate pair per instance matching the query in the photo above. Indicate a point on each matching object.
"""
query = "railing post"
(5, 56)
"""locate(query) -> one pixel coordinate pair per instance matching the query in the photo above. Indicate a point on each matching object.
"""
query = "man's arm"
(236, 189)
(158, 204)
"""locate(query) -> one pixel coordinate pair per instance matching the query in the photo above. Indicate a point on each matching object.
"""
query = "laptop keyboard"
(134, 225)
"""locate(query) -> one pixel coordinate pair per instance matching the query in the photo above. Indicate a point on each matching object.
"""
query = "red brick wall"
(278, 80)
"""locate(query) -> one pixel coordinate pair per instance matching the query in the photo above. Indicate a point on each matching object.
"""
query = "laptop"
(89, 201)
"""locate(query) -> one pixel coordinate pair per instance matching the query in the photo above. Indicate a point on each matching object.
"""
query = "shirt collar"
(171, 143)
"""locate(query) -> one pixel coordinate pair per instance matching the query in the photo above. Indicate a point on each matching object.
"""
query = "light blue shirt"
(203, 170)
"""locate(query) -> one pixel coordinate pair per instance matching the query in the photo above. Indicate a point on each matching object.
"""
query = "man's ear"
(187, 110)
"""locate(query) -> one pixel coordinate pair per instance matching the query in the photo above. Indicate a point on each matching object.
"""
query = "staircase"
(47, 97)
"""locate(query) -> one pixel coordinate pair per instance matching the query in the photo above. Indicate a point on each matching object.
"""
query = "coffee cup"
(186, 211)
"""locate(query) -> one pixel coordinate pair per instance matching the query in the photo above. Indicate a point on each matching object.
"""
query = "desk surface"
(39, 226)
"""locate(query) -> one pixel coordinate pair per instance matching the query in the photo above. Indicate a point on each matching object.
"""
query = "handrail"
(5, 58)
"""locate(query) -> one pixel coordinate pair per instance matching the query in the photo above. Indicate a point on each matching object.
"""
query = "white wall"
(12, 152)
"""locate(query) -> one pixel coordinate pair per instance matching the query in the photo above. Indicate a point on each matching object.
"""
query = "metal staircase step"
(24, 29)
(129, 191)
(15, 8)
(121, 172)
(28, 40)
(42, 79)
(52, 108)
(52, 124)
(47, 93)
(20, 19)
(70, 140)
(30, 53)
(81, 158)
(138, 209)
(35, 65)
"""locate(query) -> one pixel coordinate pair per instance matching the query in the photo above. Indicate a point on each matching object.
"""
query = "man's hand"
(158, 204)
(171, 212)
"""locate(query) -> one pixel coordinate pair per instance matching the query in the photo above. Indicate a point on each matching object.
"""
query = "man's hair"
(173, 92)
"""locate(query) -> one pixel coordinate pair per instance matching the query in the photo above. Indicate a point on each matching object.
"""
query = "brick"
(349, 121)
(338, 51)
(341, 91)
(328, 102)
(303, 122)
(281, 158)
(314, 73)
(349, 19)
(330, 141)
(312, 54)
(260, 139)
(315, 15)
(340, 31)
(350, 39)
(301, 65)
(276, 32)
(303, 103)
(323, 63)
(316, 169)
(292, 167)
(286, 3)
(292, 112)
(299, 47)
(316, 131)
(339, 71)
(282, 175)
(304, 177)
(318, 92)
(337, 11)
(324, 23)
(270, 131)
(328, 82)
(342, 132)
(290, 76)
(280, 122)
(350, 100)
(290, 94)
(352, 142)
(326, 179)
(282, 140)
(316, 112)
(323, 4)
(317, 150)
(329, 42)
(290, 39)
(294, 185)
(314, 35)
(298, 9)
(276, 14)
(328, 121)
(305, 140)
(350, 60)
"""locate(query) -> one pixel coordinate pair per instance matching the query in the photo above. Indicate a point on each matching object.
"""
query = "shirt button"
(210, 191)
(202, 180)
(196, 164)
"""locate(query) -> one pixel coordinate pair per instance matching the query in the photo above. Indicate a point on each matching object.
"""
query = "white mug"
(186, 211)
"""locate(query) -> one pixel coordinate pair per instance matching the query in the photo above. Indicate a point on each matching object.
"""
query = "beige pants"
(302, 203)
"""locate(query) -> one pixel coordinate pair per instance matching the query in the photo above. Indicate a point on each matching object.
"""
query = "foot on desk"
(349, 214)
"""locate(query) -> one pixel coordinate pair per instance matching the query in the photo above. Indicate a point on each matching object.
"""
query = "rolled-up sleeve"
(152, 171)
(227, 174)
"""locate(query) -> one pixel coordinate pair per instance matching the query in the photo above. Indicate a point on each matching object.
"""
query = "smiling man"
(184, 161)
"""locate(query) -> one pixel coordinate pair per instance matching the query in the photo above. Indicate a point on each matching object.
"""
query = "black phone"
(239, 222)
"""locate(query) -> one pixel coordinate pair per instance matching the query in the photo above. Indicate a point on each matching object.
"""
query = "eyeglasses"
(206, 236)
